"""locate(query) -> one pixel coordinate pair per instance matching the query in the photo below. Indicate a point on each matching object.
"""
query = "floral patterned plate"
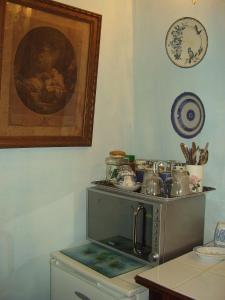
(186, 42)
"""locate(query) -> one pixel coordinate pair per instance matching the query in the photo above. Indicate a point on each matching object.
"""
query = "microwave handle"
(136, 213)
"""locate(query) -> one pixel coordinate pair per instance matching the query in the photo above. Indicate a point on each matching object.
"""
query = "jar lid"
(117, 153)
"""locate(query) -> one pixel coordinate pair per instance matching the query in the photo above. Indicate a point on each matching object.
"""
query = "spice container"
(113, 162)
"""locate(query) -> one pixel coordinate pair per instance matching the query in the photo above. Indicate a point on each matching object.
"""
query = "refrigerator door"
(69, 287)
(73, 287)
(71, 279)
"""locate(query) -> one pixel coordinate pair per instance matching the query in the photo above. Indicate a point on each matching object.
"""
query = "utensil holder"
(196, 174)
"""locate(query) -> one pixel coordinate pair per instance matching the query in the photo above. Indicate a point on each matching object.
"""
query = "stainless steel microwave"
(149, 228)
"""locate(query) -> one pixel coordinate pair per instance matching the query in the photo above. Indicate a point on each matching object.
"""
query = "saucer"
(131, 188)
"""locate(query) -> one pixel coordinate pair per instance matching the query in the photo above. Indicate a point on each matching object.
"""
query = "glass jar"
(113, 162)
(148, 172)
(180, 183)
(152, 184)
(140, 166)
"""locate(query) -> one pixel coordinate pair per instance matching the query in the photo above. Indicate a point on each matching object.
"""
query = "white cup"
(196, 173)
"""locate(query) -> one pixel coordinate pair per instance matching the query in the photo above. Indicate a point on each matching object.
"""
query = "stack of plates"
(210, 253)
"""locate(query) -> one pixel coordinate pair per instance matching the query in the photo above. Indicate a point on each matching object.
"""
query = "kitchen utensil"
(203, 155)
(194, 155)
(193, 152)
(206, 147)
(206, 157)
(184, 149)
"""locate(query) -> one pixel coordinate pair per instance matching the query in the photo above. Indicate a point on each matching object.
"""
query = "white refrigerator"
(75, 279)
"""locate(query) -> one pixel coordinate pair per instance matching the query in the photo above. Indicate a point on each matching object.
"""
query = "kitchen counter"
(186, 277)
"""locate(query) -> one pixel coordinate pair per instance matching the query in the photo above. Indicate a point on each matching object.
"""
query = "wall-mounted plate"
(186, 42)
(187, 115)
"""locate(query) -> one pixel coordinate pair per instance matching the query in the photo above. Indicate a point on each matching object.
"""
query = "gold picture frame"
(48, 73)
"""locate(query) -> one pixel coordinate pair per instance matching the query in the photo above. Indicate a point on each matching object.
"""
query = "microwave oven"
(151, 229)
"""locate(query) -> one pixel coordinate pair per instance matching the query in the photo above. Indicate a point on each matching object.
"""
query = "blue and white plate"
(186, 42)
(188, 115)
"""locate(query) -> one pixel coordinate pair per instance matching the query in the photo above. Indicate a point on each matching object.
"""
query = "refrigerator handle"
(81, 296)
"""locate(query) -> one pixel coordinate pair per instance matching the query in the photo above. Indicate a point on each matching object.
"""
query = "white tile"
(171, 274)
(219, 269)
(130, 275)
(192, 259)
(206, 286)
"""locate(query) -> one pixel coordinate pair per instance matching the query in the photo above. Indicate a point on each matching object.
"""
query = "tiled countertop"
(191, 276)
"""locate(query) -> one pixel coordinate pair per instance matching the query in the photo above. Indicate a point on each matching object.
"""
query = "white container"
(219, 236)
(196, 173)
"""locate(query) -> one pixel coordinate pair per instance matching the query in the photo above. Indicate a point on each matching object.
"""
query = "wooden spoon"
(194, 153)
(185, 151)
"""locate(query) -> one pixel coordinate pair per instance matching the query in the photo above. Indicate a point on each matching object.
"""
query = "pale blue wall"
(157, 82)
(42, 195)
(42, 191)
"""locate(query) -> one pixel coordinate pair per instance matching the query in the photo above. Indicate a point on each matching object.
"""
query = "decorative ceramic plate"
(186, 42)
(213, 253)
(187, 115)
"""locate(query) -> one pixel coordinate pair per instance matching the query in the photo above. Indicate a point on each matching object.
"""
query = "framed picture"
(48, 73)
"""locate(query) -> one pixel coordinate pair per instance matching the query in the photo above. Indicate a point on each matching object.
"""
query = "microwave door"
(120, 223)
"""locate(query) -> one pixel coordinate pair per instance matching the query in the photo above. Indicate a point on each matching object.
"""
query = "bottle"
(115, 159)
(148, 172)
(140, 166)
(131, 161)
(154, 184)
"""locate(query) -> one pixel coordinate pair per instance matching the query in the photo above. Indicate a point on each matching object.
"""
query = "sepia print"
(49, 63)
(47, 81)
